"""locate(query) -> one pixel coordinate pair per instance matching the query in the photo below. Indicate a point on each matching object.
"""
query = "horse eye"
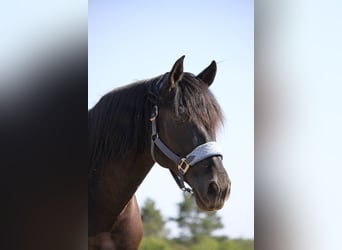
(180, 121)
(182, 115)
(181, 110)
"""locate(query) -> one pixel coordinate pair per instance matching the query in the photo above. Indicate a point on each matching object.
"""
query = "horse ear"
(176, 73)
(208, 74)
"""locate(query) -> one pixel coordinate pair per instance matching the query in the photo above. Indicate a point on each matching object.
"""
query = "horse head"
(184, 123)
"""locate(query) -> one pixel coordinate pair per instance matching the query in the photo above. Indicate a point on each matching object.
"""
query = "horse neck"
(123, 178)
(114, 186)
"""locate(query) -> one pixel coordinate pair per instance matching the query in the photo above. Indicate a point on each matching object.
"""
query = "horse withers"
(170, 119)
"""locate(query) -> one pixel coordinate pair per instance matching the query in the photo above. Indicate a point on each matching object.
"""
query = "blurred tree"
(153, 222)
(194, 222)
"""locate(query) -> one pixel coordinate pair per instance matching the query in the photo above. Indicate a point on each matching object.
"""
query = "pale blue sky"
(133, 40)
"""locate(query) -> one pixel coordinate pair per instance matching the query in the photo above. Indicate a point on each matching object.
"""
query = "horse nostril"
(213, 188)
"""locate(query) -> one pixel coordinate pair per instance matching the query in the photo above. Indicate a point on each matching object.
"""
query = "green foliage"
(153, 222)
(203, 243)
(194, 222)
(155, 243)
(237, 244)
(196, 230)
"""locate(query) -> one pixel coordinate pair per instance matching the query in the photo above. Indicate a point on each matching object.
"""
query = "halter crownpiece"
(201, 152)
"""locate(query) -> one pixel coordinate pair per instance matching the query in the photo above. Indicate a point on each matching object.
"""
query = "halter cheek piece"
(201, 152)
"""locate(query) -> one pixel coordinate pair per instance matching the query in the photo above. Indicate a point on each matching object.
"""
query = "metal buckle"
(183, 166)
(187, 192)
(154, 113)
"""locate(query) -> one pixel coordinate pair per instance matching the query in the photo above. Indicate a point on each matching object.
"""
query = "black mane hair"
(119, 125)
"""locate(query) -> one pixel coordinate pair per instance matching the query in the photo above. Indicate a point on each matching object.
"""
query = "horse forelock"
(194, 99)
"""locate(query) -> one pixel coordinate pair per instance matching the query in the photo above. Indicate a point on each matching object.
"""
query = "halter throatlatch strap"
(201, 152)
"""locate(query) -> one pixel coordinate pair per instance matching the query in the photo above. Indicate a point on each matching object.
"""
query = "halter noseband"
(201, 152)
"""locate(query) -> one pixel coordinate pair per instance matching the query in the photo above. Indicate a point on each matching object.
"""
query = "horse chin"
(206, 205)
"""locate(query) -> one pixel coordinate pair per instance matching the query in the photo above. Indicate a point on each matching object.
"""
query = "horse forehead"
(194, 134)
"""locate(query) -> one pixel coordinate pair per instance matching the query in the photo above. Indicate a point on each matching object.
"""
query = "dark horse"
(171, 120)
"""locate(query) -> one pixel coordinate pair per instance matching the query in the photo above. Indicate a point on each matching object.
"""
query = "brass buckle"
(183, 166)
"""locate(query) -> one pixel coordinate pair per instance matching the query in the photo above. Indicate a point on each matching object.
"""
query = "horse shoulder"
(127, 231)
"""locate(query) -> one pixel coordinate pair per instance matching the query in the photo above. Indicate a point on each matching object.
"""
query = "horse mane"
(194, 100)
(119, 125)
